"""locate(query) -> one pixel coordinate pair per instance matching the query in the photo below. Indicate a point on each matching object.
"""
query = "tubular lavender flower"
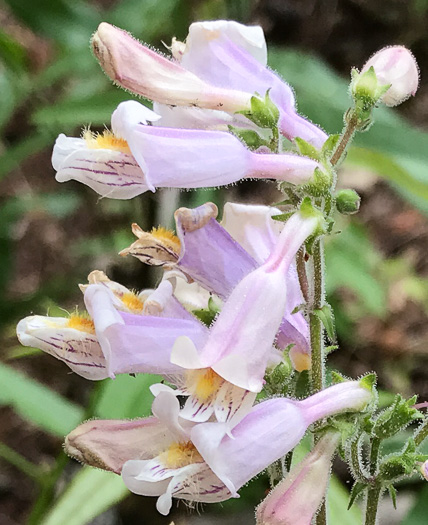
(125, 333)
(137, 68)
(215, 258)
(194, 155)
(164, 456)
(109, 163)
(241, 339)
(220, 57)
(297, 498)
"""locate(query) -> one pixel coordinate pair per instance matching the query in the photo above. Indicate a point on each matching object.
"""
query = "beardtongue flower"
(397, 67)
(208, 254)
(163, 456)
(125, 333)
(240, 341)
(104, 162)
(297, 498)
(109, 163)
(71, 340)
(137, 68)
(424, 470)
(194, 155)
(221, 55)
(137, 343)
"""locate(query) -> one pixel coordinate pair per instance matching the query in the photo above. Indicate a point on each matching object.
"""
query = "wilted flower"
(296, 499)
(397, 67)
(137, 68)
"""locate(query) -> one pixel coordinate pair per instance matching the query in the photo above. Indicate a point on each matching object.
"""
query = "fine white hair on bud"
(397, 67)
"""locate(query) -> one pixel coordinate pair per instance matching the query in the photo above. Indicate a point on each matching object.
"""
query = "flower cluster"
(208, 436)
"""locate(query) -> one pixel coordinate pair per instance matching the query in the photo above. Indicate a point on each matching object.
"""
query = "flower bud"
(296, 499)
(137, 68)
(397, 67)
(347, 202)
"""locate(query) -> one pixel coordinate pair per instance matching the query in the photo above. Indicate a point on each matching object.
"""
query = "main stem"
(373, 496)
(345, 139)
(315, 324)
(317, 339)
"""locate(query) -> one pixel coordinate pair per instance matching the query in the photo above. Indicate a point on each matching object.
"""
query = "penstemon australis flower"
(240, 310)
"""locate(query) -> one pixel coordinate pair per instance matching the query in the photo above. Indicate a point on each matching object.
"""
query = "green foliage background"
(69, 91)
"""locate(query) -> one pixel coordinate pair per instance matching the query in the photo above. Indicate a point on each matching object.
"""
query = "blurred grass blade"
(90, 493)
(37, 403)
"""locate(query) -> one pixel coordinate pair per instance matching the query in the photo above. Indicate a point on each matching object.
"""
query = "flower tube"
(297, 498)
(241, 339)
(166, 457)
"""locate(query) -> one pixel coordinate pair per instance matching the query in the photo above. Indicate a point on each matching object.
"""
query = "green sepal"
(329, 146)
(369, 381)
(263, 112)
(320, 183)
(393, 494)
(283, 217)
(306, 149)
(249, 137)
(357, 489)
(326, 315)
(337, 378)
(330, 349)
(401, 464)
(207, 315)
(396, 417)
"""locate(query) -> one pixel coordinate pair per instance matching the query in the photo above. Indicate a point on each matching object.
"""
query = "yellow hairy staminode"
(179, 455)
(105, 140)
(82, 323)
(133, 302)
(167, 238)
(203, 384)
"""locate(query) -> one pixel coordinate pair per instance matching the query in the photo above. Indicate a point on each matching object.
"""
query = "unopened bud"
(395, 66)
(347, 202)
(296, 499)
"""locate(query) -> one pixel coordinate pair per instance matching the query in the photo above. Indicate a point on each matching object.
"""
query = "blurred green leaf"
(70, 23)
(338, 498)
(353, 262)
(80, 112)
(37, 403)
(12, 53)
(90, 493)
(418, 513)
(126, 397)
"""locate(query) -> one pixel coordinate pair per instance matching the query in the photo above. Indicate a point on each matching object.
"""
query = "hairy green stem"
(422, 433)
(374, 455)
(345, 139)
(315, 324)
(372, 504)
(301, 273)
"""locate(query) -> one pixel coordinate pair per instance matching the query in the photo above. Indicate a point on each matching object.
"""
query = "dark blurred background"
(52, 235)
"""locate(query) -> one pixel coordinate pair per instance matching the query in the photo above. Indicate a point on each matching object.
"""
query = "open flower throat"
(81, 323)
(179, 455)
(203, 384)
(105, 140)
(133, 302)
